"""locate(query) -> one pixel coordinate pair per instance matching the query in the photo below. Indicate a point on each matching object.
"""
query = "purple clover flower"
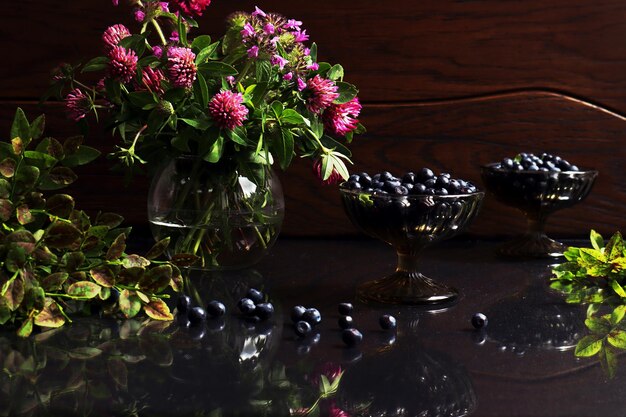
(293, 24)
(279, 60)
(258, 12)
(248, 31)
(227, 110)
(253, 52)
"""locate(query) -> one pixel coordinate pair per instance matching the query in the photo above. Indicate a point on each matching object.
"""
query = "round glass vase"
(228, 215)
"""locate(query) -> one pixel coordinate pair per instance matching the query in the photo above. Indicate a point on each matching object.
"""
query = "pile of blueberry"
(305, 319)
(254, 306)
(196, 314)
(530, 162)
(423, 182)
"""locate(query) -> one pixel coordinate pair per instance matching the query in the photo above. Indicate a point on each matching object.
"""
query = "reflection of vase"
(227, 214)
(408, 381)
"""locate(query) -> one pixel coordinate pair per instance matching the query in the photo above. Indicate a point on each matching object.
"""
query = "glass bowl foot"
(532, 246)
(406, 288)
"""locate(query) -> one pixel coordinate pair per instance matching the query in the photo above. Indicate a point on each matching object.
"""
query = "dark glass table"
(435, 364)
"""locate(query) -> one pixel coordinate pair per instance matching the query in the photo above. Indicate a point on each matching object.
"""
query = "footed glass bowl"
(409, 223)
(537, 194)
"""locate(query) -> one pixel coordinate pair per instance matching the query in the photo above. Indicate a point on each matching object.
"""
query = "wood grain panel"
(410, 50)
(454, 136)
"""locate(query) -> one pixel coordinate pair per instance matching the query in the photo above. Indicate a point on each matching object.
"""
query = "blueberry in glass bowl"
(537, 185)
(409, 213)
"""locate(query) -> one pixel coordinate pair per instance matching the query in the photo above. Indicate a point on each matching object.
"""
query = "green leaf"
(18, 146)
(346, 92)
(292, 117)
(283, 149)
(216, 69)
(62, 235)
(20, 127)
(207, 52)
(54, 282)
(13, 293)
(596, 240)
(103, 276)
(598, 326)
(618, 289)
(112, 220)
(608, 361)
(184, 259)
(201, 91)
(263, 71)
(617, 339)
(62, 175)
(40, 159)
(37, 127)
(99, 63)
(215, 152)
(134, 261)
(83, 155)
(26, 328)
(142, 99)
(615, 247)
(335, 73)
(60, 205)
(588, 346)
(129, 304)
(200, 124)
(277, 108)
(201, 42)
(158, 310)
(23, 214)
(618, 314)
(84, 289)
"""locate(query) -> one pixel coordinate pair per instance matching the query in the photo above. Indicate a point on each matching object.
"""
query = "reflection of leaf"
(84, 353)
(118, 371)
(50, 316)
(608, 360)
(588, 346)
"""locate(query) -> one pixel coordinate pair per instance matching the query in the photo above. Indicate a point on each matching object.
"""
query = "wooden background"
(445, 84)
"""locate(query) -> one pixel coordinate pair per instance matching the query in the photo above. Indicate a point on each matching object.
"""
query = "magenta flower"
(164, 6)
(113, 35)
(293, 24)
(151, 80)
(301, 84)
(181, 66)
(116, 2)
(253, 52)
(247, 31)
(231, 80)
(122, 64)
(334, 411)
(77, 104)
(313, 67)
(301, 36)
(157, 51)
(342, 118)
(288, 76)
(334, 178)
(140, 15)
(269, 29)
(258, 12)
(279, 60)
(321, 93)
(227, 110)
(175, 36)
(192, 7)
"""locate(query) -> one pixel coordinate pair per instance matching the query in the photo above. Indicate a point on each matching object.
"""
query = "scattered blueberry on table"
(345, 309)
(346, 322)
(197, 315)
(312, 316)
(215, 309)
(479, 321)
(184, 303)
(255, 295)
(246, 306)
(424, 182)
(264, 310)
(296, 313)
(387, 322)
(303, 328)
(351, 337)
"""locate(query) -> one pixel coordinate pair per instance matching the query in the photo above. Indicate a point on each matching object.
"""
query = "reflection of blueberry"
(184, 303)
(312, 316)
(303, 328)
(215, 309)
(479, 320)
(197, 315)
(197, 333)
(264, 310)
(346, 322)
(351, 337)
(255, 295)
(296, 313)
(387, 322)
(246, 306)
(183, 321)
(345, 309)
(216, 325)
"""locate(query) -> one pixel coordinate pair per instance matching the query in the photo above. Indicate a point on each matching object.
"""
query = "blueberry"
(376, 177)
(296, 313)
(246, 306)
(409, 177)
(386, 176)
(264, 310)
(573, 168)
(355, 186)
(430, 183)
(378, 184)
(346, 322)
(479, 320)
(215, 309)
(255, 295)
(532, 167)
(184, 303)
(312, 316)
(387, 322)
(115, 295)
(303, 328)
(425, 174)
(441, 191)
(507, 163)
(429, 191)
(408, 186)
(196, 315)
(418, 188)
(365, 180)
(345, 309)
(354, 178)
(351, 337)
(442, 181)
(400, 190)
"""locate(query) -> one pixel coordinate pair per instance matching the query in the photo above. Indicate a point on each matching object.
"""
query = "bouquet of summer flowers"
(232, 106)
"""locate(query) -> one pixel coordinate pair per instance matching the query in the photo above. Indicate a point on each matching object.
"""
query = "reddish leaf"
(72, 260)
(157, 279)
(158, 248)
(117, 248)
(55, 149)
(134, 261)
(14, 293)
(62, 175)
(84, 289)
(158, 310)
(103, 276)
(118, 371)
(50, 316)
(54, 282)
(27, 246)
(60, 205)
(18, 146)
(71, 145)
(24, 216)
(109, 219)
(6, 209)
(7, 167)
(177, 279)
(130, 276)
(62, 235)
(184, 259)
(129, 304)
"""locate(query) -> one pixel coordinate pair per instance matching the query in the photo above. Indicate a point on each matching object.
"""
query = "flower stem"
(159, 31)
